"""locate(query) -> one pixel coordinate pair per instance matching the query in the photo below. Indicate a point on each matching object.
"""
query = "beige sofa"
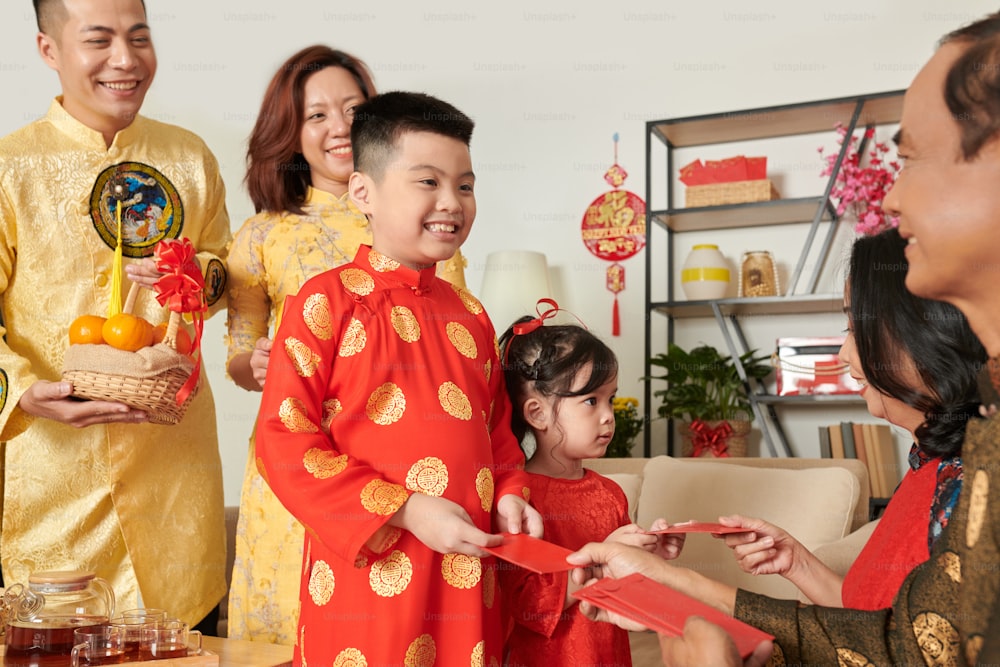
(822, 502)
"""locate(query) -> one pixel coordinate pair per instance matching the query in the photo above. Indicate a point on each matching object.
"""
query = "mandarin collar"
(315, 197)
(88, 136)
(419, 281)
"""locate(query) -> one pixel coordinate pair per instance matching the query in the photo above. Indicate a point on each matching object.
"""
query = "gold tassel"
(115, 305)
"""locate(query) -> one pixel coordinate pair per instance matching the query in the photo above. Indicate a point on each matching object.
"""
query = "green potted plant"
(628, 424)
(706, 396)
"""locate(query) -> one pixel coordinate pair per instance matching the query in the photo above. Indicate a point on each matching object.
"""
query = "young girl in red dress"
(561, 380)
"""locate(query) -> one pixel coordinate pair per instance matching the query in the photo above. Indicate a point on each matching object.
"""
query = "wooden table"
(240, 653)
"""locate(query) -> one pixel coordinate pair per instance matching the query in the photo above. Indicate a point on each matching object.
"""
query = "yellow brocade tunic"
(140, 504)
(271, 257)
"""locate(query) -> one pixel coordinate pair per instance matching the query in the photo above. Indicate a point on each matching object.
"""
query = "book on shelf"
(872, 444)
(836, 441)
(859, 442)
(847, 435)
(824, 443)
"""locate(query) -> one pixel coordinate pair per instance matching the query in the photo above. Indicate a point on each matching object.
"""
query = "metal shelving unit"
(853, 112)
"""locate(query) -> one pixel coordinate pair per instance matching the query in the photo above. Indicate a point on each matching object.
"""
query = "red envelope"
(699, 527)
(532, 553)
(664, 609)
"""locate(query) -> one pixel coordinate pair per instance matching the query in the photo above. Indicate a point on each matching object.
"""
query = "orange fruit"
(127, 332)
(184, 343)
(86, 329)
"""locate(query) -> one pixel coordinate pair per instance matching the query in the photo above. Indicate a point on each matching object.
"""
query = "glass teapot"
(39, 620)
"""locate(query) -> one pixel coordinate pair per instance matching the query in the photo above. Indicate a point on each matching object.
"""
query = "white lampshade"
(513, 282)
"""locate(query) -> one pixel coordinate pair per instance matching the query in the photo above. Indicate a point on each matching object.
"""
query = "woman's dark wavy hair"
(889, 322)
(547, 360)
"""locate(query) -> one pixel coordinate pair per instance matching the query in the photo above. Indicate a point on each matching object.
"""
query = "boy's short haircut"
(49, 15)
(382, 120)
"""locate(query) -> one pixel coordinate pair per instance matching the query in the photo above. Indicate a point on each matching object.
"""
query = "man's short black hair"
(49, 14)
(382, 120)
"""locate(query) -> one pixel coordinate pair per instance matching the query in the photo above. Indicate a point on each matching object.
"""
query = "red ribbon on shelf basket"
(181, 288)
(704, 437)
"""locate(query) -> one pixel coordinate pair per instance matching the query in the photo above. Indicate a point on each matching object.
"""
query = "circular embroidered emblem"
(405, 323)
(461, 571)
(850, 658)
(305, 361)
(151, 209)
(454, 401)
(462, 340)
(489, 587)
(350, 657)
(384, 539)
(478, 654)
(331, 408)
(952, 565)
(421, 653)
(428, 476)
(937, 639)
(485, 488)
(215, 281)
(381, 263)
(470, 302)
(292, 413)
(977, 507)
(390, 576)
(321, 583)
(357, 282)
(383, 498)
(354, 340)
(316, 313)
(386, 404)
(324, 464)
(4, 385)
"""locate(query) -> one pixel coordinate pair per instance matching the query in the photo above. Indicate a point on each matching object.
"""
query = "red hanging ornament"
(614, 228)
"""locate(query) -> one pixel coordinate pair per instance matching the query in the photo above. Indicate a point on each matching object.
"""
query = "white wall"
(548, 84)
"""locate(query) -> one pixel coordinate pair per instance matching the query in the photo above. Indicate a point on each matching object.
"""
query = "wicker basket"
(735, 192)
(736, 443)
(148, 379)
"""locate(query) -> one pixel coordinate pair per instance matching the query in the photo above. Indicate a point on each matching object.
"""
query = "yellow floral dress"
(272, 255)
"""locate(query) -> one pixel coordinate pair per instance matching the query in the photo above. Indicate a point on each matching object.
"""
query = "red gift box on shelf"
(734, 180)
(809, 366)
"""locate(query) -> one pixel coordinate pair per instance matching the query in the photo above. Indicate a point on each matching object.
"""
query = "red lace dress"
(575, 511)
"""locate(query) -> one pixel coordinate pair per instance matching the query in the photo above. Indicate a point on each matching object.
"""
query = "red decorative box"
(809, 366)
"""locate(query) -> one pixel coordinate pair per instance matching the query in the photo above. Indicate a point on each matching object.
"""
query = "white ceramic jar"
(705, 274)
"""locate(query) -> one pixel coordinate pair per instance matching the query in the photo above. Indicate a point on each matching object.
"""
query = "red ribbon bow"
(181, 288)
(704, 437)
(531, 325)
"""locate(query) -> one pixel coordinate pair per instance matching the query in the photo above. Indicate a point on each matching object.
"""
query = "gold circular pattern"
(461, 571)
(937, 639)
(849, 658)
(331, 408)
(321, 583)
(384, 539)
(488, 369)
(357, 281)
(383, 498)
(485, 488)
(977, 507)
(950, 562)
(350, 657)
(381, 263)
(428, 476)
(386, 405)
(323, 463)
(421, 653)
(462, 340)
(292, 413)
(470, 302)
(390, 576)
(973, 645)
(405, 323)
(305, 361)
(355, 339)
(489, 587)
(317, 315)
(478, 653)
(454, 401)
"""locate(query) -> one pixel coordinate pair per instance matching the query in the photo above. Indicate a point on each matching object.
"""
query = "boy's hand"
(667, 547)
(634, 535)
(443, 526)
(515, 515)
(143, 272)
